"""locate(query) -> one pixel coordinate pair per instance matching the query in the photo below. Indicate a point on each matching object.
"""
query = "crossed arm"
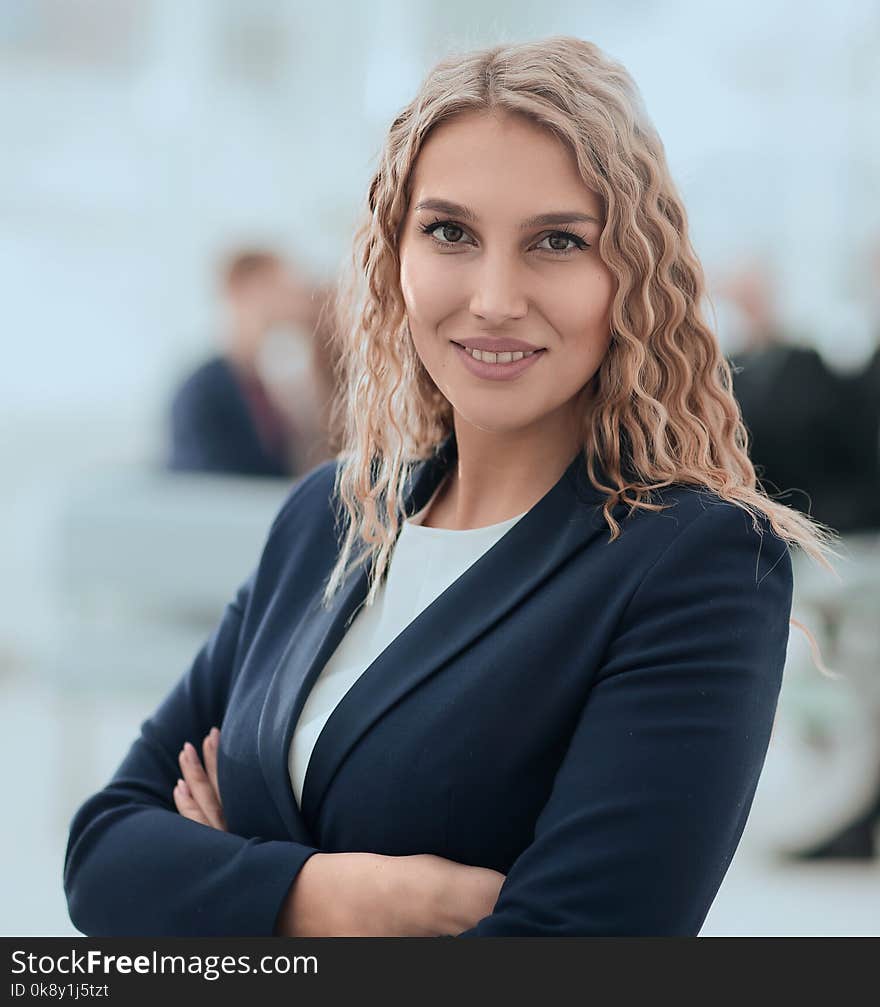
(353, 894)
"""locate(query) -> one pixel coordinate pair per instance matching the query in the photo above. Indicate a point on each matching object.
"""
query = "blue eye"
(576, 240)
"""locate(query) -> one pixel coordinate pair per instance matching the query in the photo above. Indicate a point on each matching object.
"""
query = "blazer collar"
(560, 523)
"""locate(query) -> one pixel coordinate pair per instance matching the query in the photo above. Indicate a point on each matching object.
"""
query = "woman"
(523, 725)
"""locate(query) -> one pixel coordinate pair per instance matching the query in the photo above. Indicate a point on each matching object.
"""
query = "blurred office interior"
(143, 140)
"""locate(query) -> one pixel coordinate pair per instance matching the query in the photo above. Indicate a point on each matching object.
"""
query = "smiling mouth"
(506, 357)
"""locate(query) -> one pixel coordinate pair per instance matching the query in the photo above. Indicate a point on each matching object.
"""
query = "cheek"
(598, 294)
(581, 310)
(581, 317)
(429, 293)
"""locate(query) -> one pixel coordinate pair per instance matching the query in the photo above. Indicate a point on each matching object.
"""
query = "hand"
(370, 895)
(431, 896)
(466, 895)
(197, 794)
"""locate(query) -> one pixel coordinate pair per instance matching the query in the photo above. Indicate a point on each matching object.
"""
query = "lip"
(497, 372)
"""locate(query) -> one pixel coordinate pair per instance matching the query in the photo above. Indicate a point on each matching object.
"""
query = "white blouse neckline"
(411, 525)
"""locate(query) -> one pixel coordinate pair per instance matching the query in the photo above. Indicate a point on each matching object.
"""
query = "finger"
(199, 785)
(209, 755)
(209, 750)
(183, 801)
(186, 805)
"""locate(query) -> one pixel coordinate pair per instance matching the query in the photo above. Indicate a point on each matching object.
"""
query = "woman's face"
(483, 271)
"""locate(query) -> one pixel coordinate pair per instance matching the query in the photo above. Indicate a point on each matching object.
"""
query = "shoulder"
(301, 541)
(207, 381)
(311, 495)
(706, 538)
(710, 592)
(214, 370)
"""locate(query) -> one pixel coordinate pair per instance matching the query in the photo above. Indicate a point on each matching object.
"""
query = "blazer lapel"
(528, 554)
(310, 646)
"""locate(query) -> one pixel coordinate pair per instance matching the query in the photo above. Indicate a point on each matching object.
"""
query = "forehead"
(491, 161)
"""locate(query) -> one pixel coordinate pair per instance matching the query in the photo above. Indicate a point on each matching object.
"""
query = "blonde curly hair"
(660, 409)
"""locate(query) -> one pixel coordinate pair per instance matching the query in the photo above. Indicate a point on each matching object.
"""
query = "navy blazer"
(212, 427)
(588, 717)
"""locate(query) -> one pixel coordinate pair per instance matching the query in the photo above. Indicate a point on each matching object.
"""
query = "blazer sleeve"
(134, 865)
(651, 799)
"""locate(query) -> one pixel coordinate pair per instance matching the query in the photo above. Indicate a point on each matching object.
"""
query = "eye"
(442, 225)
(576, 240)
(452, 232)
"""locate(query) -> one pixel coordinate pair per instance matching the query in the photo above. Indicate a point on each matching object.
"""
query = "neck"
(499, 475)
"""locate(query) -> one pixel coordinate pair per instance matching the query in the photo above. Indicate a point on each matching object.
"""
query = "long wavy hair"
(660, 409)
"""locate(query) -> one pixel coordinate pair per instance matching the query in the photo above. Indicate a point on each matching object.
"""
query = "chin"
(496, 421)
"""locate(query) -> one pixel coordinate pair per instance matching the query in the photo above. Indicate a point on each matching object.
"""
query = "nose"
(499, 294)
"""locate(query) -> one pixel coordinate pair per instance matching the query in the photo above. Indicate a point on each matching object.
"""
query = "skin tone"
(254, 304)
(497, 274)
(490, 276)
(197, 794)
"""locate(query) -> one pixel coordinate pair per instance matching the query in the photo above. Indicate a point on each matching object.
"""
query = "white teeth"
(498, 358)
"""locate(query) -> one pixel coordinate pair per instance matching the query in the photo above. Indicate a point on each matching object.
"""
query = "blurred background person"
(258, 407)
(813, 431)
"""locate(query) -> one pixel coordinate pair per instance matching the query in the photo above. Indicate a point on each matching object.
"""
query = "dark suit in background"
(813, 432)
(222, 421)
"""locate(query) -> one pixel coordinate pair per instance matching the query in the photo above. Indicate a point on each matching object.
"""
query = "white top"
(425, 561)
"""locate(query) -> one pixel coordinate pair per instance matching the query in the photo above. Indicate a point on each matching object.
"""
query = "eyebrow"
(539, 220)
